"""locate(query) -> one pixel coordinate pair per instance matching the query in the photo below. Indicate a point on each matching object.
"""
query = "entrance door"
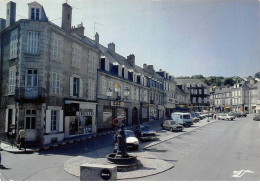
(134, 116)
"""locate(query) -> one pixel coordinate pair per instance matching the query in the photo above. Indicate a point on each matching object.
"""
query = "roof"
(223, 90)
(190, 81)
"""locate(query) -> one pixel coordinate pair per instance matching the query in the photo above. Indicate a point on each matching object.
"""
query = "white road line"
(239, 174)
(1, 177)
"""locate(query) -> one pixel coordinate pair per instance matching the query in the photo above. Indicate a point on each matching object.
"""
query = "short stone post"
(95, 172)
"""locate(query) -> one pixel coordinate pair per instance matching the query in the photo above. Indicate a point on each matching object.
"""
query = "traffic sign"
(12, 126)
(116, 121)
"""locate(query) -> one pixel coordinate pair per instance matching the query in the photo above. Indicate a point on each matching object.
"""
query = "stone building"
(199, 93)
(169, 87)
(222, 99)
(48, 77)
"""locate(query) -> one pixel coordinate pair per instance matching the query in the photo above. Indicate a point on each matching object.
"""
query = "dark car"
(144, 132)
(236, 114)
(243, 114)
(257, 117)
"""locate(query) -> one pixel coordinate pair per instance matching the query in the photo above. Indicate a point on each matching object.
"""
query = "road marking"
(239, 174)
(2, 177)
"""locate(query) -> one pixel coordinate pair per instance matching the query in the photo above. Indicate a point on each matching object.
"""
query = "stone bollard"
(95, 172)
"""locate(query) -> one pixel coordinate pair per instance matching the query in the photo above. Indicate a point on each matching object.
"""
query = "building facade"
(48, 77)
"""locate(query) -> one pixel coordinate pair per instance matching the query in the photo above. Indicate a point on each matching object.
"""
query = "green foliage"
(229, 82)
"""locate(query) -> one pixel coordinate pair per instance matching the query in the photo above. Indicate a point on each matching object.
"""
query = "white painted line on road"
(2, 177)
(239, 174)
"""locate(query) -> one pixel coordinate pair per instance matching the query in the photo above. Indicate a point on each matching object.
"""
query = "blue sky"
(183, 37)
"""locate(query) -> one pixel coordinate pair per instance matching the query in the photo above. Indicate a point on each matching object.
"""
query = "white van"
(182, 118)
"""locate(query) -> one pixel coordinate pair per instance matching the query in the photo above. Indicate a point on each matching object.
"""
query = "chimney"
(145, 66)
(111, 48)
(2, 24)
(79, 30)
(10, 13)
(66, 17)
(150, 67)
(97, 39)
(131, 59)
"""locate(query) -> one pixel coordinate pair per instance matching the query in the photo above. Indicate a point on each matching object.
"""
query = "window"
(55, 83)
(33, 42)
(76, 57)
(54, 120)
(35, 14)
(30, 118)
(13, 45)
(92, 62)
(11, 81)
(57, 45)
(76, 83)
(32, 78)
(91, 90)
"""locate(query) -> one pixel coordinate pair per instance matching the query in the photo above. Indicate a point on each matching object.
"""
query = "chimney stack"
(79, 30)
(10, 13)
(111, 48)
(2, 24)
(131, 59)
(97, 39)
(66, 17)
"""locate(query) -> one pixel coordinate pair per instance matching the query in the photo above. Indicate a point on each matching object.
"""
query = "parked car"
(226, 117)
(172, 126)
(243, 114)
(236, 114)
(195, 119)
(257, 117)
(144, 132)
(182, 118)
(197, 115)
(131, 140)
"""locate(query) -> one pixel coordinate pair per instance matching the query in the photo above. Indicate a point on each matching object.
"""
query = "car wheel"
(136, 147)
(218, 118)
(171, 130)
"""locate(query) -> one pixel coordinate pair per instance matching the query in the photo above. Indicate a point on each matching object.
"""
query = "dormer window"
(35, 14)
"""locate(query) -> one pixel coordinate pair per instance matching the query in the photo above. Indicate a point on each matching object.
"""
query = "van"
(182, 118)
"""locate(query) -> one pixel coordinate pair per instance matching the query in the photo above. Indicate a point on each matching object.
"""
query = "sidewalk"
(13, 149)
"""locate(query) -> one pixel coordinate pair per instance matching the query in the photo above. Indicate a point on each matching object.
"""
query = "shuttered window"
(33, 40)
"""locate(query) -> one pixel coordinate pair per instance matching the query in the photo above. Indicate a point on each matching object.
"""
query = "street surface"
(223, 150)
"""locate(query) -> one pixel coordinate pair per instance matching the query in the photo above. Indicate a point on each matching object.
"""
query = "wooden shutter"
(13, 116)
(80, 88)
(6, 120)
(71, 86)
(48, 121)
(60, 120)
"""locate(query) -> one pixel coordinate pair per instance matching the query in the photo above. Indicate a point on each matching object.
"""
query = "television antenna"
(94, 28)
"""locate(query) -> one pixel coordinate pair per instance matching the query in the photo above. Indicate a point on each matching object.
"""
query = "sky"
(182, 37)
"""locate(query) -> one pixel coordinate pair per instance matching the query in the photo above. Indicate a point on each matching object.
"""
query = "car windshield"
(186, 116)
(144, 128)
(172, 122)
(129, 133)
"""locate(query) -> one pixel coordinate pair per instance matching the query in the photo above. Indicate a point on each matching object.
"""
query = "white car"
(226, 117)
(131, 140)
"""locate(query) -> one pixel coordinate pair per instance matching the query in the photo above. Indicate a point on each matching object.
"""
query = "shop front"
(80, 118)
(144, 112)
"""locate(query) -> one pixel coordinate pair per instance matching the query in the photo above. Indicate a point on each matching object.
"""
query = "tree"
(229, 82)
(197, 77)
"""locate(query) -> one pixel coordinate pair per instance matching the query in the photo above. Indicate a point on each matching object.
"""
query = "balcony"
(30, 94)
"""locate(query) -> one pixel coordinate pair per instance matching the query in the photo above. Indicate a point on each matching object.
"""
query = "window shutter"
(61, 121)
(80, 88)
(13, 116)
(6, 120)
(48, 121)
(71, 86)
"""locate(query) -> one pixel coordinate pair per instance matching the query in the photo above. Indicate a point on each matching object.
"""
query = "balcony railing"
(30, 94)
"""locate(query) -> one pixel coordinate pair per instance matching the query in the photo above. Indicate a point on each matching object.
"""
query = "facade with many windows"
(48, 78)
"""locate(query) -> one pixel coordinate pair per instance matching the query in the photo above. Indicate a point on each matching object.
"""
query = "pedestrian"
(22, 137)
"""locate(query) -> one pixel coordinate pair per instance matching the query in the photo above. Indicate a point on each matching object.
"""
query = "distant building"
(199, 93)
